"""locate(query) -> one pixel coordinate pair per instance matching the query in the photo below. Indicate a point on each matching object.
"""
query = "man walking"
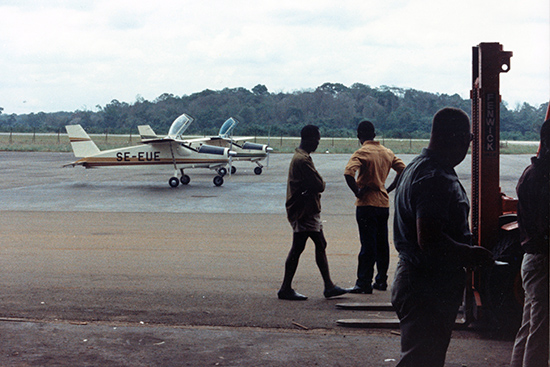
(371, 164)
(303, 206)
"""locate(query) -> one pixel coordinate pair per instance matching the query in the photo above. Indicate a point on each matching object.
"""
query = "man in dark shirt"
(303, 206)
(533, 189)
(432, 236)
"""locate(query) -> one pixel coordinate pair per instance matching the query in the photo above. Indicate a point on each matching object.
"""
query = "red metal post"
(489, 60)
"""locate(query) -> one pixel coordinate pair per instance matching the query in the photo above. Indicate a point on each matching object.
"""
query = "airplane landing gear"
(233, 169)
(185, 179)
(218, 180)
(173, 182)
(222, 171)
(258, 170)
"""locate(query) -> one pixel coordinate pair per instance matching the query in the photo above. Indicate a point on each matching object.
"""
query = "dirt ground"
(114, 268)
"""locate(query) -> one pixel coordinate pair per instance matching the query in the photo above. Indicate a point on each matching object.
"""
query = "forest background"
(334, 107)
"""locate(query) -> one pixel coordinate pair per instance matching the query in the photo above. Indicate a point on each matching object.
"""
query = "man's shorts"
(309, 224)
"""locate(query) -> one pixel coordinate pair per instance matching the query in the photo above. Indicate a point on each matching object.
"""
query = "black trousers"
(375, 249)
(427, 304)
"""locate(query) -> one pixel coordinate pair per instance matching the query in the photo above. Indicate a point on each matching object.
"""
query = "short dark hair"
(450, 120)
(366, 130)
(310, 132)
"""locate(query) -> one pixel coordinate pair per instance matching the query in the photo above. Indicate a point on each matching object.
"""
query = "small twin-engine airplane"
(153, 150)
(245, 151)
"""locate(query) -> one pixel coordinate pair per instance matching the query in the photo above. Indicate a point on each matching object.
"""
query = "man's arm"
(433, 240)
(393, 185)
(311, 179)
(398, 166)
(352, 184)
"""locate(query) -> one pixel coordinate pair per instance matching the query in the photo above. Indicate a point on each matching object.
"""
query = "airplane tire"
(173, 182)
(218, 180)
(258, 170)
(185, 179)
(222, 171)
(233, 169)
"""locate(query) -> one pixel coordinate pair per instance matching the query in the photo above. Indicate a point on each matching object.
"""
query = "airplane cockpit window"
(227, 127)
(179, 126)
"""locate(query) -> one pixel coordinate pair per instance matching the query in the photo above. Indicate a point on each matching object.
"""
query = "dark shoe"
(380, 286)
(334, 291)
(291, 295)
(357, 290)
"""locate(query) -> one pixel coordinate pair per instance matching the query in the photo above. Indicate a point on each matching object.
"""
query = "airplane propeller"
(231, 158)
(268, 141)
(268, 150)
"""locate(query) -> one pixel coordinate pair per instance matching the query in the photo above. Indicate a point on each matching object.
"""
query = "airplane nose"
(232, 153)
(268, 149)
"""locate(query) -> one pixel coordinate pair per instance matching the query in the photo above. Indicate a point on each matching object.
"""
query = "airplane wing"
(203, 148)
(201, 140)
(242, 138)
(157, 141)
(214, 138)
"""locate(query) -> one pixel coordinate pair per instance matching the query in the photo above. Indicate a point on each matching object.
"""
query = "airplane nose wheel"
(173, 182)
(218, 180)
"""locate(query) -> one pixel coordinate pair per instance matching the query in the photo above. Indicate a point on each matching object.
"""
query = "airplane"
(153, 150)
(245, 151)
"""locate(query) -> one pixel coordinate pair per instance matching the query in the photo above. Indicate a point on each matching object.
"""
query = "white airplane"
(245, 151)
(153, 150)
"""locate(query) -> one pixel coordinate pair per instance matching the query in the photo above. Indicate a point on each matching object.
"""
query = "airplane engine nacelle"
(209, 149)
(253, 146)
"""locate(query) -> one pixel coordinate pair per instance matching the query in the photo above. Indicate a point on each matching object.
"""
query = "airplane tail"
(81, 143)
(146, 132)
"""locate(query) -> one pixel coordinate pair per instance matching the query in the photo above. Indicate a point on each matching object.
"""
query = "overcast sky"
(64, 55)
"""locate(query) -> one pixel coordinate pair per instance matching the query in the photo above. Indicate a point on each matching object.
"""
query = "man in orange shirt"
(366, 174)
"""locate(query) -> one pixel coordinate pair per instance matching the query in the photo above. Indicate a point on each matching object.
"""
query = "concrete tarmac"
(113, 267)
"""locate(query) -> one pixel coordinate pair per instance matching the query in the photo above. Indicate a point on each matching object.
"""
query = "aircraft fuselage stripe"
(97, 162)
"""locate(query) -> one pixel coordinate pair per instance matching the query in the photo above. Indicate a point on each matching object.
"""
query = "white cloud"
(66, 55)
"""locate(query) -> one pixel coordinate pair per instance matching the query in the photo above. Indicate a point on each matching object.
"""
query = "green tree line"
(334, 107)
